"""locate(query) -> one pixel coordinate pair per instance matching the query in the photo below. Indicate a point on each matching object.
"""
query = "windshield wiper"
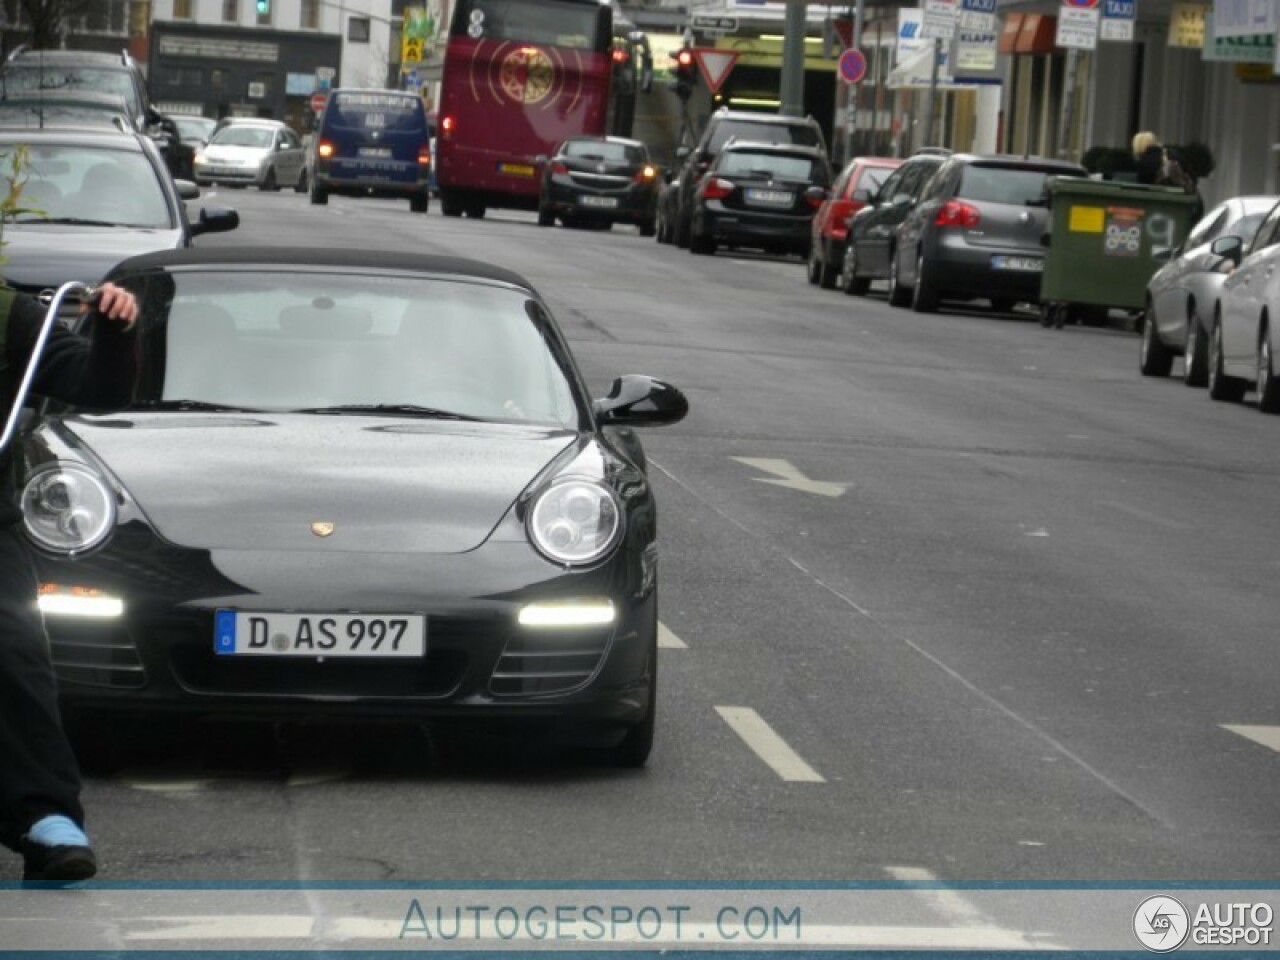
(391, 408)
(202, 405)
(76, 221)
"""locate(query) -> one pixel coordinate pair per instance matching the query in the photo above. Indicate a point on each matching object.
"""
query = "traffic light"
(264, 7)
(686, 72)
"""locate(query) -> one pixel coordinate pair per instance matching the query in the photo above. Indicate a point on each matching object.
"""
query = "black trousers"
(38, 771)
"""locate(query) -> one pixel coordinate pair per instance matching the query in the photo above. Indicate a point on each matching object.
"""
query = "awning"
(914, 73)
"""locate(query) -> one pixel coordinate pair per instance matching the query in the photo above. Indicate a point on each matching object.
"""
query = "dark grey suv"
(723, 126)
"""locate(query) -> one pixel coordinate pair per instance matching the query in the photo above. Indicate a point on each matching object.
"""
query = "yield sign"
(714, 64)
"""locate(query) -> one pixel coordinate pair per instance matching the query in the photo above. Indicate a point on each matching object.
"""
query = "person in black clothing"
(1148, 154)
(40, 812)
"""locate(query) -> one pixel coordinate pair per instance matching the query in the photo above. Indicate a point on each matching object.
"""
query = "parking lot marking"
(668, 639)
(1267, 736)
(768, 746)
(786, 474)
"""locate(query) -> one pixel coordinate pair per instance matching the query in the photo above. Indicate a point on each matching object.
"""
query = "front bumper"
(634, 203)
(208, 173)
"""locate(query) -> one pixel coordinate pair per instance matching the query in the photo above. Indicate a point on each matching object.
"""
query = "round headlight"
(67, 508)
(575, 521)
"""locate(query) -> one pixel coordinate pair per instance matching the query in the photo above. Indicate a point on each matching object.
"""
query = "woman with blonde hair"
(1148, 154)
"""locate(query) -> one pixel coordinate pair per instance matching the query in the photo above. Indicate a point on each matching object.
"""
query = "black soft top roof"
(337, 258)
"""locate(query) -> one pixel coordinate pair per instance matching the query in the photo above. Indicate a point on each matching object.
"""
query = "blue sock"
(57, 831)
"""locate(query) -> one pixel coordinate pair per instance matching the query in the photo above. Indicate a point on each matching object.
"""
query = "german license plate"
(1028, 264)
(770, 198)
(260, 633)
(608, 202)
(516, 169)
(377, 153)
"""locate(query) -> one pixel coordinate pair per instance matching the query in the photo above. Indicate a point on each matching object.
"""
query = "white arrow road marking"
(668, 639)
(768, 746)
(790, 476)
(1267, 736)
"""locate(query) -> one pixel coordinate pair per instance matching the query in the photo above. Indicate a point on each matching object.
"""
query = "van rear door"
(376, 136)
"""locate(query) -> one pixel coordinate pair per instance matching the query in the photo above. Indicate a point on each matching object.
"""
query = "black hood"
(50, 255)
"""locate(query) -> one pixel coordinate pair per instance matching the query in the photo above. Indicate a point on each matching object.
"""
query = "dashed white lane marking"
(1267, 736)
(768, 746)
(669, 640)
(948, 903)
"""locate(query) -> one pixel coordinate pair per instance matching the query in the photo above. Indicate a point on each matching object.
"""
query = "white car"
(266, 153)
(1181, 295)
(1242, 341)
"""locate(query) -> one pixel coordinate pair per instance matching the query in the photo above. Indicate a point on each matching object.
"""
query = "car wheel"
(1221, 386)
(419, 203)
(814, 267)
(1154, 358)
(683, 233)
(269, 181)
(850, 282)
(898, 294)
(1268, 384)
(450, 203)
(924, 297)
(1195, 367)
(701, 243)
(546, 217)
(827, 272)
(664, 229)
(633, 749)
(318, 197)
(648, 228)
(475, 209)
(301, 185)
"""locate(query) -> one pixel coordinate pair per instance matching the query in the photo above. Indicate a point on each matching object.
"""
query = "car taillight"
(954, 213)
(325, 149)
(816, 198)
(717, 189)
(447, 125)
(424, 156)
(838, 221)
(559, 169)
(646, 174)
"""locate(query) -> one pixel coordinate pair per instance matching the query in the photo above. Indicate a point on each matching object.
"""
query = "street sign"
(317, 101)
(714, 22)
(714, 65)
(852, 65)
(1081, 4)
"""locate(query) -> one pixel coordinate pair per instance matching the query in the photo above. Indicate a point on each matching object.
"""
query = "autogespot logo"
(1161, 924)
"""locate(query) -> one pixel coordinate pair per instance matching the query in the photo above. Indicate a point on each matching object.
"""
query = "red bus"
(519, 77)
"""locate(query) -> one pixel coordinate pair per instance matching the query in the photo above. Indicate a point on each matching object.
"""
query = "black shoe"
(57, 865)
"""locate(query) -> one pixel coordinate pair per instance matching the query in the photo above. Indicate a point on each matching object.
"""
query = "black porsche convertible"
(352, 484)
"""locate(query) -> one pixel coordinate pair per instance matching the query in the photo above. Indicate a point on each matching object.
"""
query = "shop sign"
(1254, 48)
(1242, 18)
(975, 52)
(910, 39)
(1187, 25)
(978, 16)
(939, 20)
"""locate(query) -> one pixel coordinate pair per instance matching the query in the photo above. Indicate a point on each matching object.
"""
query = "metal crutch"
(87, 293)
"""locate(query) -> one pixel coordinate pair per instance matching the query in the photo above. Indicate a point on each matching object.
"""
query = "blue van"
(372, 143)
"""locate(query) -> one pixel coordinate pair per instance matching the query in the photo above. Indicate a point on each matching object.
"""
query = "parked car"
(91, 198)
(600, 180)
(1181, 294)
(372, 143)
(853, 190)
(871, 236)
(499, 564)
(243, 151)
(29, 71)
(1242, 341)
(75, 108)
(725, 125)
(760, 195)
(976, 233)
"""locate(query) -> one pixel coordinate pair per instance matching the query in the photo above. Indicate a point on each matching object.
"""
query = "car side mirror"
(1229, 248)
(636, 401)
(215, 220)
(187, 190)
(815, 195)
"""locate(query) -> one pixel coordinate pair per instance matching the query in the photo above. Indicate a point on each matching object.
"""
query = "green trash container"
(1103, 240)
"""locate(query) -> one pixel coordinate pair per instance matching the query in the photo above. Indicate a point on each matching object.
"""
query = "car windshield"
(798, 133)
(602, 150)
(73, 183)
(778, 166)
(348, 344)
(243, 136)
(873, 178)
(21, 77)
(1246, 226)
(1003, 184)
(194, 128)
(38, 115)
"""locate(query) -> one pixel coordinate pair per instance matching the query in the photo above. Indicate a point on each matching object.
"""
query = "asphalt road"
(1022, 627)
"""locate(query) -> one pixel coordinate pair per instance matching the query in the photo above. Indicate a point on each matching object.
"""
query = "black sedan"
(760, 195)
(600, 181)
(353, 484)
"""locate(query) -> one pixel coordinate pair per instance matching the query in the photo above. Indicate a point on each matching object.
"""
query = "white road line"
(1267, 736)
(669, 640)
(768, 746)
(948, 903)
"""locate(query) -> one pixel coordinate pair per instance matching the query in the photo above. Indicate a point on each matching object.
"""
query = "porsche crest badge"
(321, 528)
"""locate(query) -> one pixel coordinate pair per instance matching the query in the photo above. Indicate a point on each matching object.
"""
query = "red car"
(855, 186)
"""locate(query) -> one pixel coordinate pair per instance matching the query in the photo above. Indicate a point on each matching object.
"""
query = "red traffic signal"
(686, 72)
